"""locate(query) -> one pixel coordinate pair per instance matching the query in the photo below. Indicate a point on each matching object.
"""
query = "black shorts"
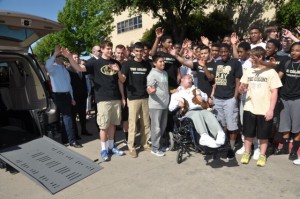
(256, 126)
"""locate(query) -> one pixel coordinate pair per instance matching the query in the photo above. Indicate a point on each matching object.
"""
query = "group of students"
(238, 79)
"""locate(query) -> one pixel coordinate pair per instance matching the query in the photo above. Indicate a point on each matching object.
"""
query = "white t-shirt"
(260, 83)
(261, 44)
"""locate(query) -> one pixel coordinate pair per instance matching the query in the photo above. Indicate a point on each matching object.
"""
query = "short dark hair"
(146, 44)
(255, 28)
(294, 44)
(138, 45)
(165, 37)
(245, 45)
(225, 45)
(204, 47)
(156, 57)
(215, 44)
(106, 43)
(275, 42)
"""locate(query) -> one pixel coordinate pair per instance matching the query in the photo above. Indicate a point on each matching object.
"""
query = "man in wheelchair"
(192, 103)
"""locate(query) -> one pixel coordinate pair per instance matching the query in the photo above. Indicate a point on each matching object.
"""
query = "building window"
(129, 24)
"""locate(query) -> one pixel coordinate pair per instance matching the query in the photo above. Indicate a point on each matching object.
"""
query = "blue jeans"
(63, 103)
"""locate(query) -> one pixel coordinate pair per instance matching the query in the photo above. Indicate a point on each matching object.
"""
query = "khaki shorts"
(109, 112)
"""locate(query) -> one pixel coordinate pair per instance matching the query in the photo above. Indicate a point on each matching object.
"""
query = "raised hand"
(204, 40)
(65, 52)
(159, 32)
(234, 38)
(286, 33)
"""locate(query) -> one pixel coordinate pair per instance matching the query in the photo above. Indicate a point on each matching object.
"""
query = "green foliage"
(87, 22)
(45, 46)
(215, 24)
(288, 14)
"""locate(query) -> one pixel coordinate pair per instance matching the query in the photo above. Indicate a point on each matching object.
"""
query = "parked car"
(27, 110)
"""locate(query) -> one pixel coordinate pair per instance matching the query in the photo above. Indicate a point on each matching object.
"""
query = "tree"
(176, 12)
(87, 22)
(198, 25)
(288, 14)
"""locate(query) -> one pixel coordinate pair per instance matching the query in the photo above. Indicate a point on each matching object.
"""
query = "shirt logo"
(106, 70)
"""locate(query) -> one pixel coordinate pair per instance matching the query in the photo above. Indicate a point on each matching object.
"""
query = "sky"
(44, 8)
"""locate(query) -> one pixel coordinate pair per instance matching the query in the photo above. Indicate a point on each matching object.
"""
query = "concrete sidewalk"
(149, 176)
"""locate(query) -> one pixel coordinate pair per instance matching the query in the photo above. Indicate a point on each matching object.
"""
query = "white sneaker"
(297, 162)
(256, 154)
(241, 150)
(158, 153)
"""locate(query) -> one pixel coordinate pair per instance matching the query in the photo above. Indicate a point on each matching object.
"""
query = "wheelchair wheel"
(179, 155)
(171, 141)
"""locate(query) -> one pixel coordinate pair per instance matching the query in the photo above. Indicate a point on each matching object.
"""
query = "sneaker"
(158, 153)
(245, 158)
(133, 153)
(116, 151)
(262, 160)
(230, 154)
(241, 150)
(164, 149)
(149, 141)
(296, 162)
(125, 143)
(293, 156)
(256, 154)
(104, 155)
(281, 151)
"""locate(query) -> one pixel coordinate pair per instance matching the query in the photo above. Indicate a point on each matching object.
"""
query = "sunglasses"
(58, 56)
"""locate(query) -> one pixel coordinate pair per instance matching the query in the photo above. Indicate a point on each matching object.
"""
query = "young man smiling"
(134, 75)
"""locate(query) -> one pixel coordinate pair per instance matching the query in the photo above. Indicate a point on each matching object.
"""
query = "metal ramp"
(49, 163)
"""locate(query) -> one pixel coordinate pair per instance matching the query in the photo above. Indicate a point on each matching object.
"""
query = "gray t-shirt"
(160, 99)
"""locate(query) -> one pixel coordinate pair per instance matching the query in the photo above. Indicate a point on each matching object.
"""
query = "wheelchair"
(185, 139)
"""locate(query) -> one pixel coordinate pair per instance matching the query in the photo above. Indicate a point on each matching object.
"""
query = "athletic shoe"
(262, 160)
(281, 151)
(133, 153)
(293, 156)
(241, 150)
(245, 158)
(158, 153)
(230, 154)
(115, 151)
(296, 162)
(104, 155)
(164, 149)
(256, 154)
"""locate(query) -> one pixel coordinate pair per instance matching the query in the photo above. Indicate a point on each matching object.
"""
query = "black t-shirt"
(171, 67)
(280, 60)
(291, 81)
(203, 83)
(105, 79)
(225, 75)
(136, 78)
